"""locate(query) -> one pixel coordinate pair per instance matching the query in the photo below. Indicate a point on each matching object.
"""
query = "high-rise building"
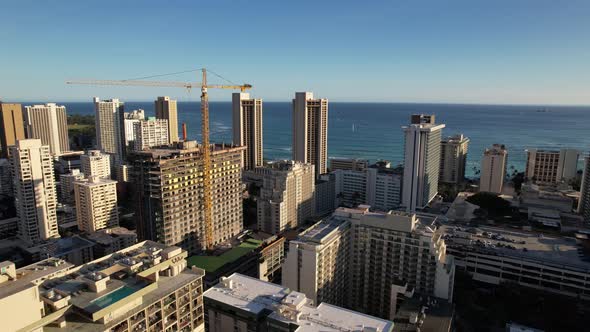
(96, 204)
(11, 126)
(96, 163)
(5, 178)
(551, 167)
(110, 130)
(310, 131)
(247, 128)
(349, 164)
(287, 195)
(150, 133)
(166, 109)
(145, 287)
(453, 159)
(130, 119)
(67, 185)
(169, 192)
(379, 187)
(584, 204)
(354, 258)
(49, 123)
(241, 303)
(34, 190)
(421, 161)
(493, 169)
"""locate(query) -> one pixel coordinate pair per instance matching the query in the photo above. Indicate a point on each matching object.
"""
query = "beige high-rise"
(150, 133)
(493, 169)
(11, 126)
(453, 159)
(551, 166)
(67, 185)
(310, 131)
(49, 123)
(247, 128)
(96, 204)
(96, 163)
(166, 109)
(168, 184)
(287, 196)
(110, 130)
(34, 188)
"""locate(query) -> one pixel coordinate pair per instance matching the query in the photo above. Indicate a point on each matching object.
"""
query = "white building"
(49, 123)
(247, 128)
(287, 196)
(130, 119)
(453, 159)
(354, 258)
(96, 163)
(96, 204)
(110, 131)
(584, 204)
(352, 164)
(34, 189)
(421, 161)
(241, 303)
(493, 169)
(551, 167)
(378, 187)
(150, 133)
(310, 131)
(67, 185)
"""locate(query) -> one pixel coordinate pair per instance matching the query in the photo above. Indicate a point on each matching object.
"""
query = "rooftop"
(212, 263)
(280, 304)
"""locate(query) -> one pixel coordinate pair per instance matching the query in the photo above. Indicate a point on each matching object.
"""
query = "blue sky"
(534, 51)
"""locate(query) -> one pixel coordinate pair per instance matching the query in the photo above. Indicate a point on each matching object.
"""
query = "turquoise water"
(373, 130)
(112, 297)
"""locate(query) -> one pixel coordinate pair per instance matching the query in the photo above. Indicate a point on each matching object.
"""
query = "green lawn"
(212, 263)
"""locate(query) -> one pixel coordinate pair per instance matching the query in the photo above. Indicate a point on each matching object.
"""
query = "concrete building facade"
(493, 169)
(168, 190)
(287, 195)
(150, 133)
(241, 303)
(96, 163)
(34, 190)
(421, 161)
(11, 126)
(96, 204)
(310, 131)
(49, 123)
(348, 164)
(584, 204)
(110, 130)
(166, 109)
(247, 128)
(130, 119)
(67, 186)
(551, 166)
(6, 178)
(453, 159)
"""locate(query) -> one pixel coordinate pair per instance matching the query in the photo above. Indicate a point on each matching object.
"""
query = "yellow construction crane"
(204, 129)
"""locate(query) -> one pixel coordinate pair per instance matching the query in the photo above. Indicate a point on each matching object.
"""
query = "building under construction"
(169, 194)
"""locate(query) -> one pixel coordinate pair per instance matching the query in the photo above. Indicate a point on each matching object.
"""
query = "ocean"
(373, 130)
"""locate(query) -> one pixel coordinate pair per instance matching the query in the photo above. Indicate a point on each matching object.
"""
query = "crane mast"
(206, 148)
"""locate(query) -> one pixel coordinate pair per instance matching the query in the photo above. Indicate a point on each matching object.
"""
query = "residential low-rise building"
(241, 303)
(110, 240)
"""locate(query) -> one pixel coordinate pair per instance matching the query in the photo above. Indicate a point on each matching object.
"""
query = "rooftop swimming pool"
(117, 295)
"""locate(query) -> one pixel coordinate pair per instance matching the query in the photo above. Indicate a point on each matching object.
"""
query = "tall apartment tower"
(96, 163)
(493, 169)
(67, 185)
(110, 132)
(49, 123)
(287, 196)
(584, 204)
(247, 128)
(34, 190)
(11, 126)
(130, 119)
(150, 133)
(421, 161)
(453, 159)
(166, 109)
(169, 193)
(551, 167)
(96, 204)
(310, 131)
